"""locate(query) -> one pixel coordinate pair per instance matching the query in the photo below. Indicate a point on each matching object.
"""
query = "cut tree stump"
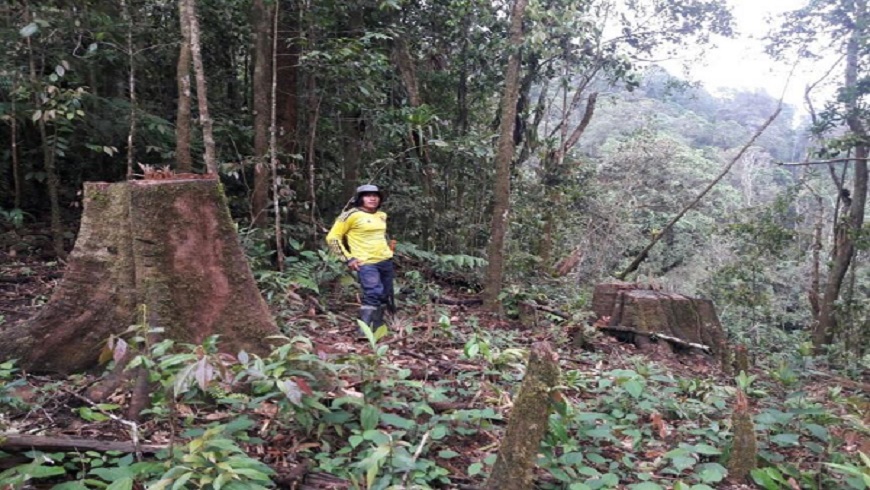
(650, 311)
(170, 245)
(514, 468)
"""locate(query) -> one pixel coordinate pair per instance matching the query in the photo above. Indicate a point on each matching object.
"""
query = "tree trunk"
(287, 71)
(847, 231)
(262, 111)
(503, 157)
(182, 119)
(273, 142)
(515, 467)
(48, 160)
(131, 133)
(555, 172)
(168, 244)
(13, 143)
(201, 91)
(744, 448)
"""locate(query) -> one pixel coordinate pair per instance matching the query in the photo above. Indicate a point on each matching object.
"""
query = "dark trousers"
(377, 283)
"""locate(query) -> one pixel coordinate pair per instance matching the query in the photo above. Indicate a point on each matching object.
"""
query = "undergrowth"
(378, 424)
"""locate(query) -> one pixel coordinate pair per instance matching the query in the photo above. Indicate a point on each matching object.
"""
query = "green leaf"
(633, 387)
(818, 432)
(763, 477)
(438, 432)
(647, 485)
(29, 29)
(474, 468)
(397, 421)
(70, 485)
(369, 416)
(573, 458)
(682, 463)
(125, 483)
(36, 471)
(711, 472)
(447, 454)
(706, 449)
(786, 439)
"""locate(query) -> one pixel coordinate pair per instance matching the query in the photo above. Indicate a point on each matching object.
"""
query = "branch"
(653, 336)
(47, 443)
(643, 255)
(819, 162)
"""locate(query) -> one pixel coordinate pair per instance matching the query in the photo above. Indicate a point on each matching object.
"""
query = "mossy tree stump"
(652, 311)
(168, 244)
(518, 451)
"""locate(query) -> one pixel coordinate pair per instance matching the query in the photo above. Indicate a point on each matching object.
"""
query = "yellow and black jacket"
(359, 235)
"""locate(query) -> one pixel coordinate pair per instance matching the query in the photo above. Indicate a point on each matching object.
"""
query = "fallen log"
(549, 309)
(20, 442)
(443, 300)
(654, 336)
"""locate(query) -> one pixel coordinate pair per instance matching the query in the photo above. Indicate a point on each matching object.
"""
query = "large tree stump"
(168, 244)
(651, 311)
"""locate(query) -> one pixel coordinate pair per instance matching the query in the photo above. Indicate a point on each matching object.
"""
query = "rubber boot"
(366, 314)
(377, 318)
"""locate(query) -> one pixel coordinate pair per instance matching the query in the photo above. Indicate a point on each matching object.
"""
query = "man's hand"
(353, 264)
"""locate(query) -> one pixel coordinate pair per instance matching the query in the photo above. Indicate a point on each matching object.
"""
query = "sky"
(741, 62)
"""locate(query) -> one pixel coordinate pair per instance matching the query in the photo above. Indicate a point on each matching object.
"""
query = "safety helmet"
(366, 189)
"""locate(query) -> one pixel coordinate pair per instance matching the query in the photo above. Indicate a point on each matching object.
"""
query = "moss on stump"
(514, 468)
(744, 449)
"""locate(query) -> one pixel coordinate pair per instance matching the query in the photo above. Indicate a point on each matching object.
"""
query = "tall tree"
(807, 33)
(503, 158)
(210, 156)
(182, 119)
(262, 88)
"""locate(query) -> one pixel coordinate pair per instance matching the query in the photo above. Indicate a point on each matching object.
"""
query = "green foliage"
(14, 217)
(8, 382)
(212, 460)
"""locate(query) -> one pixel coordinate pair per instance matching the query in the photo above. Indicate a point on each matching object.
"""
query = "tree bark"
(744, 448)
(201, 90)
(504, 155)
(273, 142)
(847, 231)
(262, 111)
(515, 467)
(182, 118)
(287, 71)
(13, 143)
(168, 244)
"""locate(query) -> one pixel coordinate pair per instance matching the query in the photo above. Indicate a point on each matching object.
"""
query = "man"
(359, 238)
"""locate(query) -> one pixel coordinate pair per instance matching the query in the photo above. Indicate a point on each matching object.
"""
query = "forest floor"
(444, 385)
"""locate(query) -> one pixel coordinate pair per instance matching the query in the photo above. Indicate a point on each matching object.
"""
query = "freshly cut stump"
(170, 245)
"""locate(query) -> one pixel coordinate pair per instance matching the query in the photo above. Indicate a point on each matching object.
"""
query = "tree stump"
(518, 452)
(168, 244)
(652, 311)
(744, 447)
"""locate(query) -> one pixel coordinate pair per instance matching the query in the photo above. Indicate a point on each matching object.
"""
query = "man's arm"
(335, 240)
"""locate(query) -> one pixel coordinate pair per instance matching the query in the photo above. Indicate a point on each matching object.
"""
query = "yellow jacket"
(360, 235)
